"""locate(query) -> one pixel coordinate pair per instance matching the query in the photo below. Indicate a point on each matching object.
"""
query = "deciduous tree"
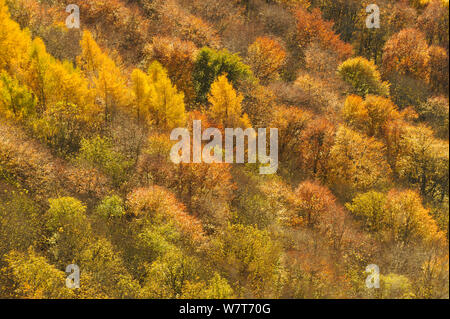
(266, 56)
(226, 105)
(363, 76)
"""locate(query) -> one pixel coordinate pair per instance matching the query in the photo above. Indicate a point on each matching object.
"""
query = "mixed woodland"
(86, 176)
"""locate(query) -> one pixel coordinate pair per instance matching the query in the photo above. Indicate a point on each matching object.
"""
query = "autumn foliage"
(86, 175)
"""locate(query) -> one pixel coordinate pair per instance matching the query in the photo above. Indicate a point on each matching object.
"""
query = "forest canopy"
(86, 176)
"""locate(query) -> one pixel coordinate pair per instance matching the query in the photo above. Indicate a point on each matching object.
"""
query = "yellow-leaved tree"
(38, 75)
(226, 108)
(166, 103)
(357, 162)
(104, 75)
(370, 115)
(14, 43)
(141, 91)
